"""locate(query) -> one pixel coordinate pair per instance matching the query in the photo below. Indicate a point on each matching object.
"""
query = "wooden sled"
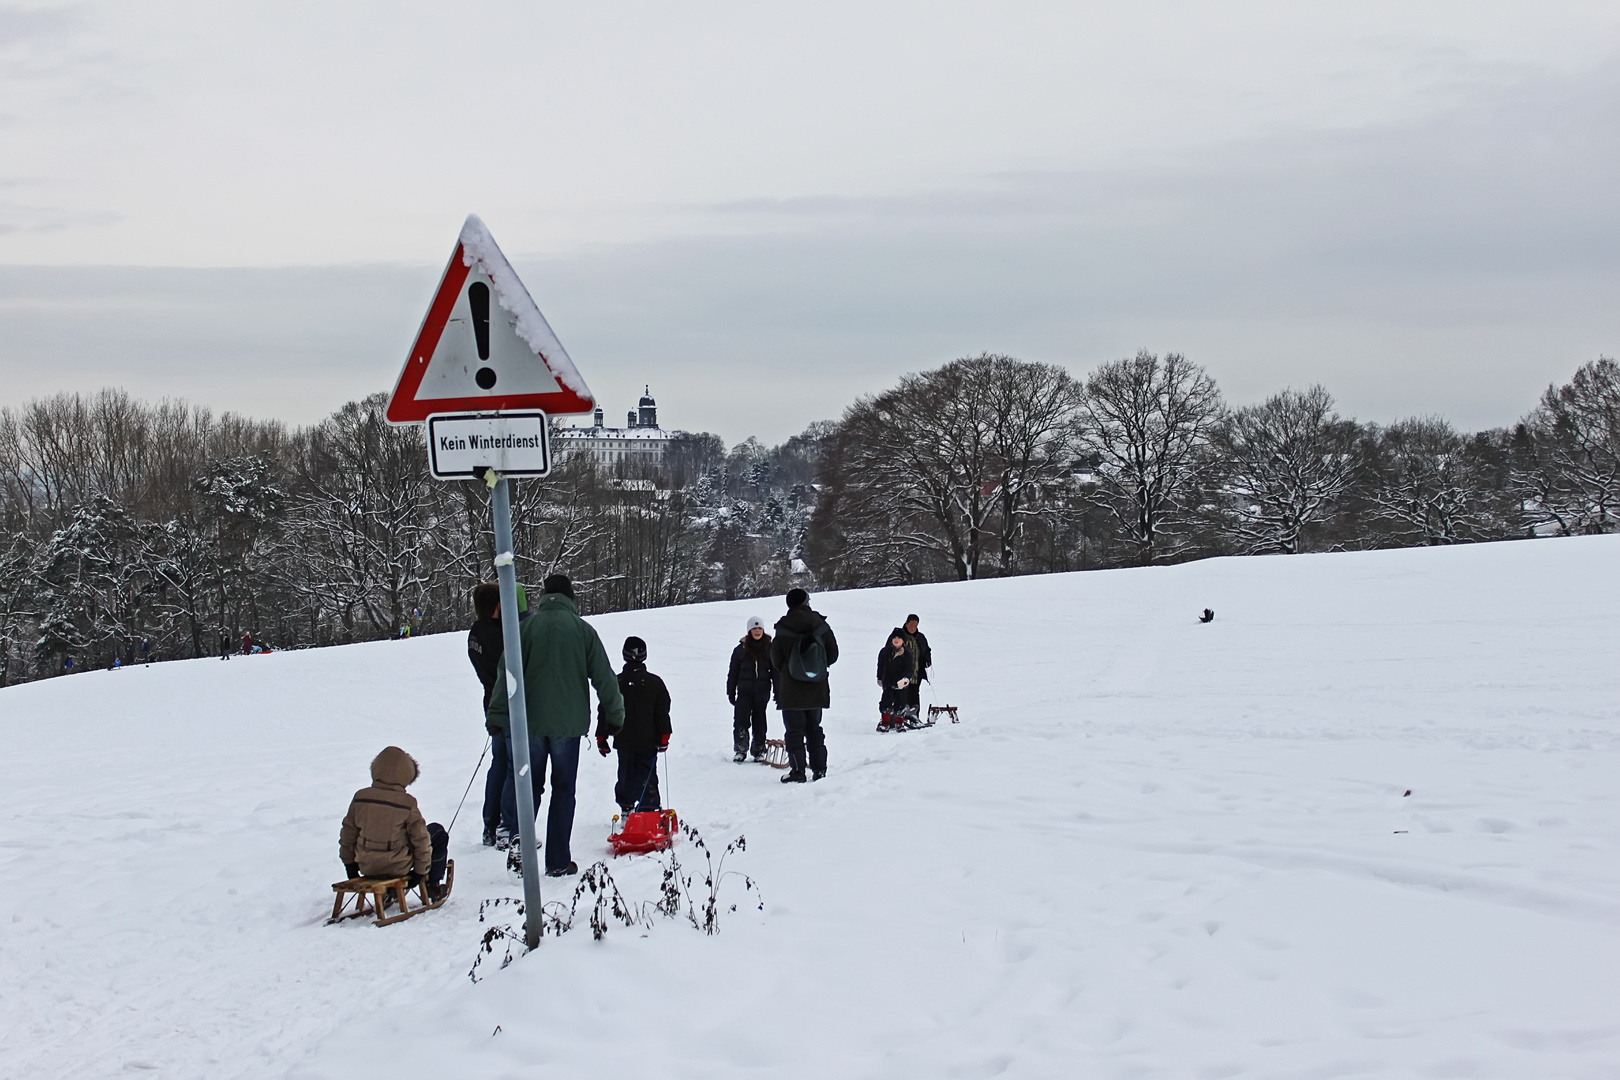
(371, 893)
(935, 711)
(776, 753)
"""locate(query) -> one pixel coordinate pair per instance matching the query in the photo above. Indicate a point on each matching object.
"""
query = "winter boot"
(793, 777)
(817, 774)
(489, 836)
(739, 757)
(504, 840)
(564, 871)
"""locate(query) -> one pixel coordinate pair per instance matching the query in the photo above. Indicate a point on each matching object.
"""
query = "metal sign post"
(483, 374)
(517, 714)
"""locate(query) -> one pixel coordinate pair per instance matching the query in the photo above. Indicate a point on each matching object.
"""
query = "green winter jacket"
(560, 653)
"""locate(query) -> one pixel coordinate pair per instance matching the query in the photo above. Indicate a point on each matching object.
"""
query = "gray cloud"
(1454, 265)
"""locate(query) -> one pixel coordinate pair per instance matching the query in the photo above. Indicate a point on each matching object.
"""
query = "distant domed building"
(640, 440)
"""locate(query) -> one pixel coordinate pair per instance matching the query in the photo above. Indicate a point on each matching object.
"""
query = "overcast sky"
(763, 210)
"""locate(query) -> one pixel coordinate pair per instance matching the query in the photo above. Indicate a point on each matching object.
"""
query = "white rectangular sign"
(461, 446)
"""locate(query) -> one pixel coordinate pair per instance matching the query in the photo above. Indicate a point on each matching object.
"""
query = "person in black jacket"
(748, 688)
(922, 658)
(802, 700)
(645, 733)
(895, 673)
(484, 648)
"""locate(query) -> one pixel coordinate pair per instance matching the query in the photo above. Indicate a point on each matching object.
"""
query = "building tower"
(649, 409)
(597, 416)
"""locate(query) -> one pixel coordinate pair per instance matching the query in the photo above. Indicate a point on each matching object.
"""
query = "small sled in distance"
(370, 895)
(648, 830)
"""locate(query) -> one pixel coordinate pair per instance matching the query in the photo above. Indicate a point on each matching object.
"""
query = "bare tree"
(1032, 409)
(358, 518)
(1425, 484)
(1569, 468)
(1147, 423)
(1286, 462)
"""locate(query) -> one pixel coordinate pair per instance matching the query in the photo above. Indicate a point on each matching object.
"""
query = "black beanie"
(558, 583)
(635, 650)
(797, 598)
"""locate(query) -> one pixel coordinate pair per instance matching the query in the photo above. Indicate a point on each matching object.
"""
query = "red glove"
(663, 743)
(602, 745)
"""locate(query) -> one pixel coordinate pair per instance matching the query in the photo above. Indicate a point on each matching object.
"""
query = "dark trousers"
(441, 851)
(804, 732)
(748, 718)
(637, 789)
(563, 755)
(893, 700)
(914, 695)
(498, 785)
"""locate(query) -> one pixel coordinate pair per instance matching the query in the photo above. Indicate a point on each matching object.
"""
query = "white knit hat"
(755, 620)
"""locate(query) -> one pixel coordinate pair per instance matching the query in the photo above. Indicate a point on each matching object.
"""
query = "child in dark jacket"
(748, 688)
(895, 672)
(645, 734)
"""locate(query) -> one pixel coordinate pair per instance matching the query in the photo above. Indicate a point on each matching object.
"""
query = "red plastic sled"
(652, 830)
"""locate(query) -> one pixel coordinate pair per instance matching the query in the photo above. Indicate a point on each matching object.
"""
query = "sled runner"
(651, 830)
(934, 712)
(370, 894)
(776, 753)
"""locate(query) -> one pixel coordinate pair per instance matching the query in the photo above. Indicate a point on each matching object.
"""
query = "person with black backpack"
(802, 651)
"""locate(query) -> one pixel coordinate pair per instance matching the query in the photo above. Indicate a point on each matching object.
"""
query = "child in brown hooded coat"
(384, 834)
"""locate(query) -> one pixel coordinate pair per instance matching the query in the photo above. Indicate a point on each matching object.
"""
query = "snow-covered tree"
(1569, 457)
(1285, 464)
(1147, 423)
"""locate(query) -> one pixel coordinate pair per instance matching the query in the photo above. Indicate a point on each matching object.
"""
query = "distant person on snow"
(896, 672)
(748, 688)
(485, 644)
(922, 658)
(802, 652)
(224, 645)
(562, 657)
(248, 648)
(384, 834)
(643, 737)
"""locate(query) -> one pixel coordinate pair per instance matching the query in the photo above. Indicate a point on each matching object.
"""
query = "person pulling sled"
(896, 671)
(643, 737)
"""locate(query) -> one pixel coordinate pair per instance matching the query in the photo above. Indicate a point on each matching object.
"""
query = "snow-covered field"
(1152, 848)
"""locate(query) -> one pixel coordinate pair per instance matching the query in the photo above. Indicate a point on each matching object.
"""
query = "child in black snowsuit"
(645, 734)
(895, 671)
(748, 688)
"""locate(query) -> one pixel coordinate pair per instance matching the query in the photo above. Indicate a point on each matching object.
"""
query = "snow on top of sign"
(478, 246)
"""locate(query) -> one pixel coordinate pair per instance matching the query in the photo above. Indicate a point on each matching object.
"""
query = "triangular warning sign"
(484, 346)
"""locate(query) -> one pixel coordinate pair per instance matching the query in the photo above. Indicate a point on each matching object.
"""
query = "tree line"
(996, 466)
(123, 522)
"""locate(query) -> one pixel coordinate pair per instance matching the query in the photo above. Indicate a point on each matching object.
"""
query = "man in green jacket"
(561, 653)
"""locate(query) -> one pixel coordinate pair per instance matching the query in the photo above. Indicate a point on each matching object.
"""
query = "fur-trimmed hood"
(395, 768)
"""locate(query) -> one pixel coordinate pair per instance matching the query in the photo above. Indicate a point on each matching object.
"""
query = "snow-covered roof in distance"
(648, 434)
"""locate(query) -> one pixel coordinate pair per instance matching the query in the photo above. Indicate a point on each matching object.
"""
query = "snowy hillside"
(1152, 848)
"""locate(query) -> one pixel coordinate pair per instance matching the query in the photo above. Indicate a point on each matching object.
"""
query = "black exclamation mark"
(478, 301)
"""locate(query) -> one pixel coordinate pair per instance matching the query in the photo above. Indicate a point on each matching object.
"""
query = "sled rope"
(470, 783)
